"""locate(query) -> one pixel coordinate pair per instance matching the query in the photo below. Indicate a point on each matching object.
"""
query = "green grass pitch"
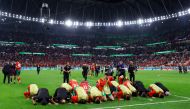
(11, 96)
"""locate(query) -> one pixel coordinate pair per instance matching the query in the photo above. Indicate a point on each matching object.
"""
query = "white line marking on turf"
(188, 98)
(143, 104)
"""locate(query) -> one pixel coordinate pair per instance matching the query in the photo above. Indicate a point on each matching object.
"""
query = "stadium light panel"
(6, 14)
(89, 24)
(68, 23)
(140, 21)
(9, 14)
(51, 21)
(119, 23)
(36, 19)
(76, 23)
(189, 10)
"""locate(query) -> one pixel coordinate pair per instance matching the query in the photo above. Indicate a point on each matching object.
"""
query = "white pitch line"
(188, 98)
(143, 104)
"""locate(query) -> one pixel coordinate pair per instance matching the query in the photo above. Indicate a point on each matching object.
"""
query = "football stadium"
(94, 54)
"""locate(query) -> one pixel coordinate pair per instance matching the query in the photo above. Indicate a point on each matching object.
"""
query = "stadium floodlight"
(9, 14)
(150, 20)
(89, 24)
(81, 23)
(20, 17)
(57, 22)
(108, 24)
(76, 23)
(43, 20)
(140, 21)
(6, 14)
(29, 18)
(33, 19)
(68, 23)
(51, 21)
(119, 23)
(179, 14)
(189, 10)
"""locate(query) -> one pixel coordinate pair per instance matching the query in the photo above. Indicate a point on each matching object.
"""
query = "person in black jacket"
(42, 97)
(13, 72)
(38, 69)
(6, 71)
(61, 96)
(142, 91)
(85, 71)
(97, 70)
(131, 71)
(66, 73)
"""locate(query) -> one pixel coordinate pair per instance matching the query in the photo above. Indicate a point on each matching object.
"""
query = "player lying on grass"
(141, 90)
(79, 95)
(119, 91)
(61, 95)
(164, 88)
(85, 85)
(126, 82)
(42, 97)
(73, 83)
(155, 91)
(32, 90)
(103, 86)
(94, 94)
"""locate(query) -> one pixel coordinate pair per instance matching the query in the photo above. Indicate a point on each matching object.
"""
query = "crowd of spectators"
(143, 55)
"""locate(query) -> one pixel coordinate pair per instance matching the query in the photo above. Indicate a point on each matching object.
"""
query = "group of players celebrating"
(106, 89)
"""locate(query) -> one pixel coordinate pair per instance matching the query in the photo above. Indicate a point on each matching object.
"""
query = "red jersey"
(18, 66)
(73, 83)
(100, 84)
(93, 67)
(85, 85)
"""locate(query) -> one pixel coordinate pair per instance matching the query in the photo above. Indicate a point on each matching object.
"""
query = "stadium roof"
(96, 10)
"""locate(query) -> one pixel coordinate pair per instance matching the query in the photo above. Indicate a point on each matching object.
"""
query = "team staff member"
(180, 68)
(67, 71)
(61, 69)
(85, 71)
(6, 72)
(121, 69)
(13, 72)
(131, 71)
(38, 69)
(97, 70)
(92, 68)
